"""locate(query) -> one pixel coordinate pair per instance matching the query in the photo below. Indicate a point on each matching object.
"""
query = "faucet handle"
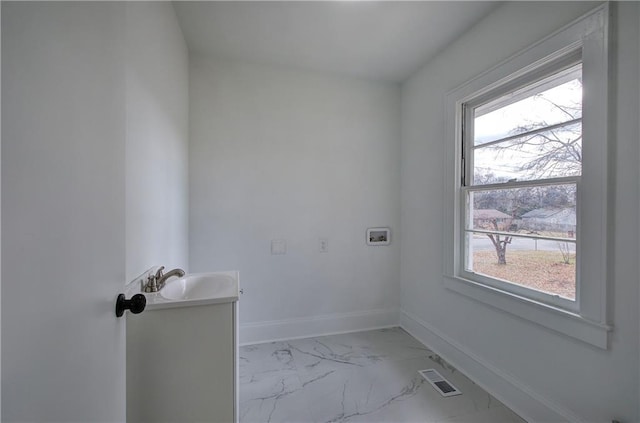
(151, 285)
(159, 272)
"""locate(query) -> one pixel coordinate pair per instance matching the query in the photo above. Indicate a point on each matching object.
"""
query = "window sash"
(512, 287)
(526, 134)
(565, 180)
(528, 85)
(562, 71)
(517, 235)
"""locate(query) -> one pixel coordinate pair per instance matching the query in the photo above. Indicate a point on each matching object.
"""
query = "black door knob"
(136, 304)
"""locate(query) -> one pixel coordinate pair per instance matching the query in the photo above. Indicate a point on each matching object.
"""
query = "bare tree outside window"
(546, 143)
(565, 250)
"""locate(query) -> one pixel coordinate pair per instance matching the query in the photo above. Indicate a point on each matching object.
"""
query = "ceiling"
(378, 40)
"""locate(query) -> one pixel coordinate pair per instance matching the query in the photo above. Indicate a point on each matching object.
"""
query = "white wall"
(0, 216)
(577, 381)
(278, 153)
(96, 99)
(63, 215)
(157, 139)
(638, 24)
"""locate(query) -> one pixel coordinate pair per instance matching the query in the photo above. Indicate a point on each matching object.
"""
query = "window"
(527, 183)
(521, 164)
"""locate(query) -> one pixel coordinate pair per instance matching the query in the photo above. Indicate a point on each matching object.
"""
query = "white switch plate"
(323, 245)
(278, 247)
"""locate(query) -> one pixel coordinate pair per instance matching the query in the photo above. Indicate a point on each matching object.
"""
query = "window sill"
(564, 322)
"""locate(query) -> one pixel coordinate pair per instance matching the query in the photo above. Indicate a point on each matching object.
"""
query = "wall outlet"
(323, 245)
(278, 247)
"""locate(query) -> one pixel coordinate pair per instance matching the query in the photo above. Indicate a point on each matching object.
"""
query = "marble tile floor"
(367, 376)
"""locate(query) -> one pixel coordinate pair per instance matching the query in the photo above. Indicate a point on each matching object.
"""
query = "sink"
(201, 286)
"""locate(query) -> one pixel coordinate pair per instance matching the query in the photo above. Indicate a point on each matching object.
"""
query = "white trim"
(305, 327)
(558, 320)
(638, 129)
(519, 397)
(236, 365)
(523, 184)
(519, 235)
(590, 35)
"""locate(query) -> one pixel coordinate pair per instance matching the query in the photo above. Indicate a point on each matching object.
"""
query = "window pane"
(541, 265)
(556, 101)
(548, 154)
(548, 210)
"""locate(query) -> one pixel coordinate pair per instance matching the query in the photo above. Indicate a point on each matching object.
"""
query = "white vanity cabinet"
(182, 364)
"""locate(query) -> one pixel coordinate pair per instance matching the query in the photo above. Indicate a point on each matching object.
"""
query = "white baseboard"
(304, 327)
(529, 404)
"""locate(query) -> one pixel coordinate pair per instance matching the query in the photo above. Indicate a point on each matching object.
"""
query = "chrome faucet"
(156, 282)
(161, 278)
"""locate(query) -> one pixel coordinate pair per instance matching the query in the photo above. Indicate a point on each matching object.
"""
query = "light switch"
(278, 247)
(323, 245)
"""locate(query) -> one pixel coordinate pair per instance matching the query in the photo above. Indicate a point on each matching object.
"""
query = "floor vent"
(439, 383)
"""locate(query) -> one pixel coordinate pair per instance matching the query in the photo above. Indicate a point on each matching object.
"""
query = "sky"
(504, 117)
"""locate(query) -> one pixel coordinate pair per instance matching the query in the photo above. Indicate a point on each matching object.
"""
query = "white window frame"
(587, 320)
(535, 82)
